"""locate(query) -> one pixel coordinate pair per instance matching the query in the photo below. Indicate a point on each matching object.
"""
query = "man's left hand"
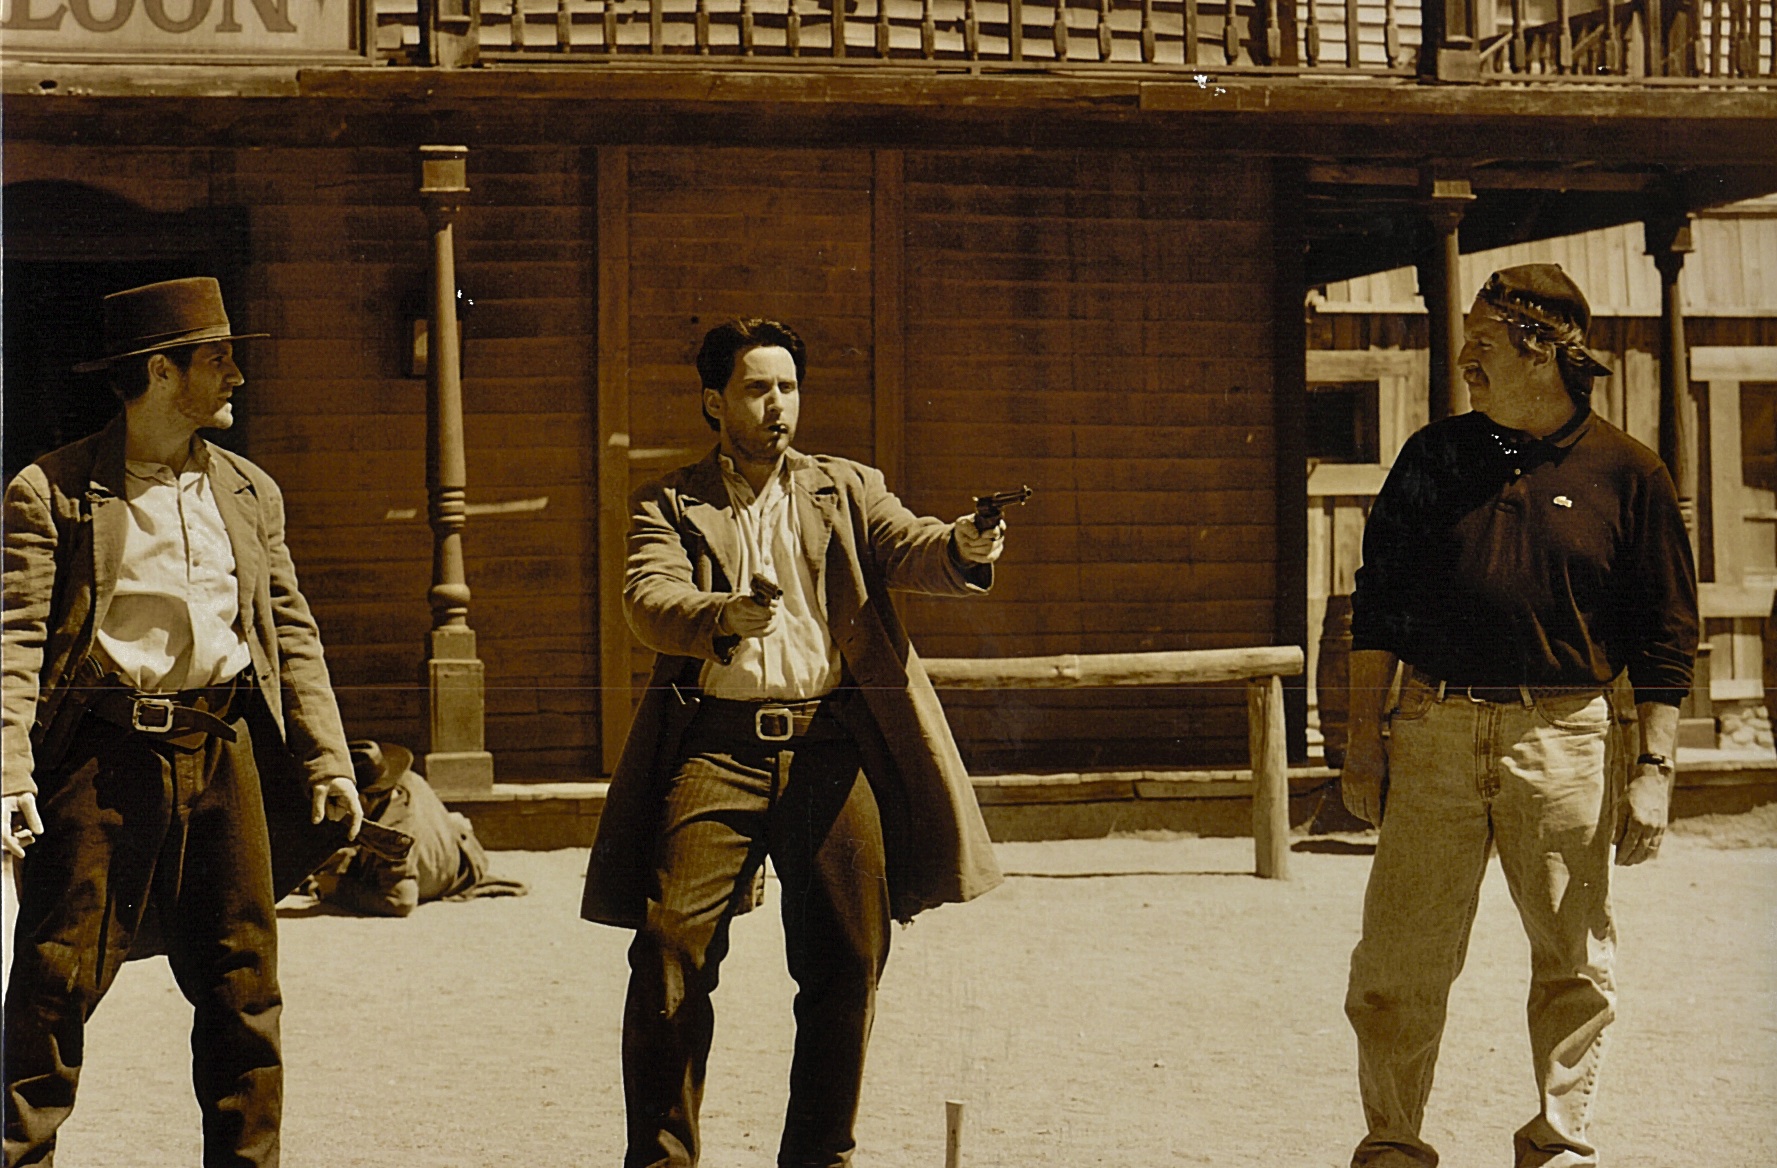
(337, 798)
(1645, 809)
(972, 547)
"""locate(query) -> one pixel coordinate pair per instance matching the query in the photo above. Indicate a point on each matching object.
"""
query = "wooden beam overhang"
(1544, 159)
(1375, 120)
(1363, 218)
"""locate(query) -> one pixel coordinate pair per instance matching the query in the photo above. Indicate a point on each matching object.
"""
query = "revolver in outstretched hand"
(988, 508)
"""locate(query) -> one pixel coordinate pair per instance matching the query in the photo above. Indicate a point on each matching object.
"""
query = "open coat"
(860, 543)
(66, 519)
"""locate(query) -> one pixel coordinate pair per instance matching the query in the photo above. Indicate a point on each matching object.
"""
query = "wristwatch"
(1656, 760)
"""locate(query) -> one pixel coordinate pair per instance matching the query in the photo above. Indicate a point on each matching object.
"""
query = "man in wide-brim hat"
(164, 687)
(1526, 563)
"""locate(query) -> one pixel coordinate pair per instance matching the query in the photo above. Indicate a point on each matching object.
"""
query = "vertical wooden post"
(450, 32)
(888, 252)
(457, 761)
(1656, 37)
(1289, 389)
(1015, 28)
(1668, 235)
(1440, 276)
(953, 1133)
(613, 448)
(1271, 777)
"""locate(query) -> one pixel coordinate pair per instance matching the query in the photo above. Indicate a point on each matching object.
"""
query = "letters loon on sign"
(173, 30)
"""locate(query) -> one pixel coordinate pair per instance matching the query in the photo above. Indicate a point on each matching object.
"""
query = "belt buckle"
(781, 721)
(160, 723)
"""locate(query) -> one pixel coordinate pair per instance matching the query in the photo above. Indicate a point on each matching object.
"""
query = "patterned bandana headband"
(1515, 306)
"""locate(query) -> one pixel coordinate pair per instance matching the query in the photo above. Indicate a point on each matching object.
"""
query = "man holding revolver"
(159, 663)
(787, 715)
(1518, 560)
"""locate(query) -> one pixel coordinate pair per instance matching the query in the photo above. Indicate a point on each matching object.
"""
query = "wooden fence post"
(1271, 780)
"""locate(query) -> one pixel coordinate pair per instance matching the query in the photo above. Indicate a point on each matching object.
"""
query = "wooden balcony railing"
(1372, 36)
(1702, 41)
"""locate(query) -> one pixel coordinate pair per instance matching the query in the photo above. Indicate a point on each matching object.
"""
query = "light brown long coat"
(860, 543)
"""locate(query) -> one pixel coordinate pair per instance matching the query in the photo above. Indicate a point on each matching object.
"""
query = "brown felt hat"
(1544, 299)
(378, 765)
(167, 315)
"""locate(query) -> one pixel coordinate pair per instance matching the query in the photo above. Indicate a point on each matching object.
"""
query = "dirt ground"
(1126, 1001)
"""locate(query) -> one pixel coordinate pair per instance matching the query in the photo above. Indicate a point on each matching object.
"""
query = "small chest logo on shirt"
(1563, 501)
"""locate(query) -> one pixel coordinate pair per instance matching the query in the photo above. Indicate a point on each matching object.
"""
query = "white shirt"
(173, 622)
(797, 660)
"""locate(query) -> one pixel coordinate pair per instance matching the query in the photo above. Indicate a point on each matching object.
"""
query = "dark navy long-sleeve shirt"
(1494, 558)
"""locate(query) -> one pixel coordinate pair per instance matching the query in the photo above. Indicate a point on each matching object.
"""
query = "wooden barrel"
(1331, 676)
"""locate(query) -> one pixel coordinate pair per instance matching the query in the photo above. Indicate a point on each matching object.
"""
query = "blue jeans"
(1528, 779)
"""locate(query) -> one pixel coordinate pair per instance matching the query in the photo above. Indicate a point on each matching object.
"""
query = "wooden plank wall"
(337, 241)
(1097, 325)
(716, 233)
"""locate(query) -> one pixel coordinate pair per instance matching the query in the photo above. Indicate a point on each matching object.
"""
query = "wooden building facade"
(1009, 270)
(1367, 391)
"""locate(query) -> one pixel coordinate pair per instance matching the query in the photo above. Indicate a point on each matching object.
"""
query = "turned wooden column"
(1668, 240)
(1440, 279)
(457, 761)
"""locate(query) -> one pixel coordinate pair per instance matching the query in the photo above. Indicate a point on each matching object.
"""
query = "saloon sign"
(171, 30)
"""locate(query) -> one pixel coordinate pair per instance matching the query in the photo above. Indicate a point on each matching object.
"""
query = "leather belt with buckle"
(766, 721)
(166, 715)
(1498, 695)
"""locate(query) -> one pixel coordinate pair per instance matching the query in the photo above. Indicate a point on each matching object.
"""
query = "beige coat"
(66, 517)
(860, 543)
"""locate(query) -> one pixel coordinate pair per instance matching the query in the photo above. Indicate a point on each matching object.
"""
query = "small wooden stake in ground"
(953, 1133)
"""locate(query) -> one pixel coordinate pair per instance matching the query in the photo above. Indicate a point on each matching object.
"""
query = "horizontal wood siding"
(720, 233)
(1096, 325)
(338, 241)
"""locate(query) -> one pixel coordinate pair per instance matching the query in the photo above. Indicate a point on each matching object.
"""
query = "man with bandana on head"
(1519, 559)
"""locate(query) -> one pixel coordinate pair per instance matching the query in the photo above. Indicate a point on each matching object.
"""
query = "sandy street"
(1120, 1002)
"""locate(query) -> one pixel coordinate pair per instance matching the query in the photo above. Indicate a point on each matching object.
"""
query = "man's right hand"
(745, 617)
(1366, 769)
(18, 838)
